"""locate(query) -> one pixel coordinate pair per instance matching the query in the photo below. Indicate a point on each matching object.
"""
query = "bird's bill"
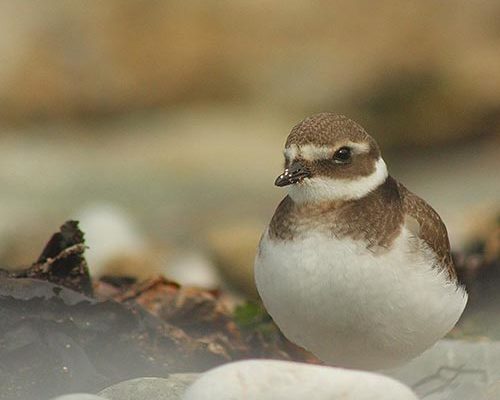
(293, 174)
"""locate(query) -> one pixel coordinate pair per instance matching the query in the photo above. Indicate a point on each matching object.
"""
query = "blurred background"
(160, 125)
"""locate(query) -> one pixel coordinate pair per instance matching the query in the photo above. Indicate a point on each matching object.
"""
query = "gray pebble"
(79, 396)
(170, 388)
(454, 369)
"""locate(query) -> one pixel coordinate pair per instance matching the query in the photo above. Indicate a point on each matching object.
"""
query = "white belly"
(353, 308)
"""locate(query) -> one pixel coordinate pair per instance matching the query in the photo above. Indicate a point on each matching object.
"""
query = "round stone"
(170, 388)
(272, 380)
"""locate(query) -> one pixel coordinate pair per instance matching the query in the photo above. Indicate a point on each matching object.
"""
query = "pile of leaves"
(63, 333)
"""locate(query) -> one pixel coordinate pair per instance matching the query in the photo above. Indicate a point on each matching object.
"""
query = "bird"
(353, 266)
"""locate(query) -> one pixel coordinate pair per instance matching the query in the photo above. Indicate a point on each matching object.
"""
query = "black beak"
(293, 174)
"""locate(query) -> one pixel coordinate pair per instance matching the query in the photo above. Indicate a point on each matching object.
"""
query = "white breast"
(352, 307)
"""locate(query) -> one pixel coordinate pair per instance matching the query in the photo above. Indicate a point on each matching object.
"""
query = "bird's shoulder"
(281, 223)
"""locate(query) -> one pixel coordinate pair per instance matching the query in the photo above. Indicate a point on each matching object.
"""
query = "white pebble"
(109, 232)
(275, 380)
(79, 396)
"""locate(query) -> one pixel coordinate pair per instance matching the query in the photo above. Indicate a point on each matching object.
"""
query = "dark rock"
(62, 260)
(54, 340)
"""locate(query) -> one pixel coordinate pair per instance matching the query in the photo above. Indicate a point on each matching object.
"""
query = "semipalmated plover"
(353, 266)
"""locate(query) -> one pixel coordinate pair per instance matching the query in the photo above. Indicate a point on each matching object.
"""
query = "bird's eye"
(342, 155)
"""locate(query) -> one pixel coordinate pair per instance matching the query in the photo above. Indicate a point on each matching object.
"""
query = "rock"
(275, 380)
(193, 269)
(79, 396)
(454, 369)
(116, 246)
(75, 59)
(493, 391)
(170, 388)
(62, 261)
(59, 341)
(233, 248)
(78, 69)
(478, 223)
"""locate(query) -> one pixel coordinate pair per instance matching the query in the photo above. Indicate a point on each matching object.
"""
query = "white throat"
(313, 190)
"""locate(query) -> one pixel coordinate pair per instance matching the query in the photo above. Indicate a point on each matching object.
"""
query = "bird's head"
(329, 157)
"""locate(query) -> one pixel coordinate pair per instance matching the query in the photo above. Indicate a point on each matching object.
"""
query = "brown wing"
(430, 229)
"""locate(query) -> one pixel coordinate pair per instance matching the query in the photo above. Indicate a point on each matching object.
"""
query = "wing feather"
(430, 229)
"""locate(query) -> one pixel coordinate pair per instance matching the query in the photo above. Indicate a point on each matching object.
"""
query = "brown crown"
(328, 129)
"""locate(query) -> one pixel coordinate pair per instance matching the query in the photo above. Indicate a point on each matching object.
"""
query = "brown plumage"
(376, 218)
(327, 129)
(331, 130)
(431, 228)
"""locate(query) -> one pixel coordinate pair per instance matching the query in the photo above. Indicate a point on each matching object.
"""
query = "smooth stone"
(275, 380)
(116, 244)
(79, 396)
(233, 250)
(170, 388)
(454, 369)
